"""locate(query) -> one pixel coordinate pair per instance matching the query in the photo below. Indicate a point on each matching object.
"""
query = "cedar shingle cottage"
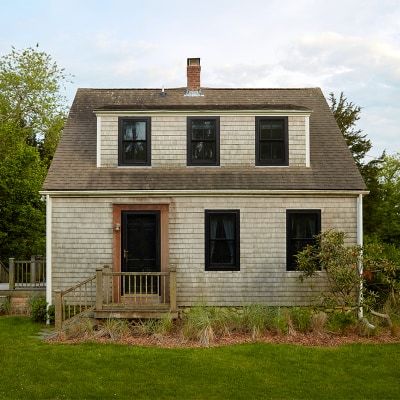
(226, 185)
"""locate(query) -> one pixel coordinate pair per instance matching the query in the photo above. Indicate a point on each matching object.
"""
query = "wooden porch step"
(135, 312)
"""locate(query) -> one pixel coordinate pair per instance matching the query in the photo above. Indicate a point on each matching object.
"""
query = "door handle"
(125, 254)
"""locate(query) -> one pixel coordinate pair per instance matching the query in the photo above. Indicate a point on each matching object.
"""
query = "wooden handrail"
(64, 292)
(121, 273)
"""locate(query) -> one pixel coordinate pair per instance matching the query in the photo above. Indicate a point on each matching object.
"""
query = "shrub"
(51, 313)
(5, 307)
(341, 322)
(38, 308)
(340, 263)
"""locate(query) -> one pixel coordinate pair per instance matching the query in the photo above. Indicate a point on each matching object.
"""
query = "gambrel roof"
(74, 164)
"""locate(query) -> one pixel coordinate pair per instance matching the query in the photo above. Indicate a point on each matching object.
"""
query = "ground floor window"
(301, 228)
(222, 240)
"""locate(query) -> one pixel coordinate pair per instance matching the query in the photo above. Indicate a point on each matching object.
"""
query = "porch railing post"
(11, 273)
(99, 289)
(58, 310)
(33, 269)
(106, 283)
(172, 287)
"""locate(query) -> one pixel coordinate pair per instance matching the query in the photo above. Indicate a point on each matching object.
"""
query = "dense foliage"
(331, 254)
(32, 114)
(381, 175)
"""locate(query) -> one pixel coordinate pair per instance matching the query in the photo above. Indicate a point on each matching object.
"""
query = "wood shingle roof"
(74, 164)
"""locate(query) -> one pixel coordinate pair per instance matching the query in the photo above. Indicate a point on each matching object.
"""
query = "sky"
(349, 46)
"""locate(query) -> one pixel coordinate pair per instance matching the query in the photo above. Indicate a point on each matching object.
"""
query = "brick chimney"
(193, 77)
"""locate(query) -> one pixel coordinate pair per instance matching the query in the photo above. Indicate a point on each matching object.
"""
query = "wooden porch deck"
(129, 295)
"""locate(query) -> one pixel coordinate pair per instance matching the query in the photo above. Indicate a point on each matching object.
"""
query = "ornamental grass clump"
(114, 329)
(256, 318)
(206, 323)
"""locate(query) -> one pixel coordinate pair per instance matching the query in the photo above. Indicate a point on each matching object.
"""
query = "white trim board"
(199, 193)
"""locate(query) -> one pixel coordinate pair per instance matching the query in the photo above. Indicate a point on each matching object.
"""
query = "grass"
(32, 369)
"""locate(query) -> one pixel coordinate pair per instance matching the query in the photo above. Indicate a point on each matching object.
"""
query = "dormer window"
(134, 141)
(203, 141)
(272, 141)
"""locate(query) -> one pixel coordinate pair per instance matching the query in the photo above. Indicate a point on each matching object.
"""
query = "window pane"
(303, 226)
(198, 151)
(271, 129)
(203, 129)
(222, 226)
(209, 151)
(134, 130)
(135, 151)
(197, 134)
(277, 151)
(222, 252)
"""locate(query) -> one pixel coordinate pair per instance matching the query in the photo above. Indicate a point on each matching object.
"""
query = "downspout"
(49, 299)
(360, 261)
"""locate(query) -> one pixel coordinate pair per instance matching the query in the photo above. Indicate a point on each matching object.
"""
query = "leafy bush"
(51, 314)
(341, 322)
(340, 263)
(38, 308)
(381, 272)
(5, 307)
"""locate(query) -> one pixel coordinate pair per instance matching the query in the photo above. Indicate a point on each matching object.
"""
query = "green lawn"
(31, 369)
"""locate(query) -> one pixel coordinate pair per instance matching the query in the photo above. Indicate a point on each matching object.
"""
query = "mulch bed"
(177, 341)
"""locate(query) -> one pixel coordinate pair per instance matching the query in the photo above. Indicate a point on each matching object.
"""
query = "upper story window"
(301, 228)
(222, 240)
(203, 141)
(272, 146)
(134, 145)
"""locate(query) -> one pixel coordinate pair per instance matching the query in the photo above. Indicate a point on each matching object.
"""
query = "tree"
(32, 114)
(388, 213)
(30, 99)
(347, 114)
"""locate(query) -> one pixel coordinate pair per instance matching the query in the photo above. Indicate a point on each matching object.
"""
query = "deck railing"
(27, 274)
(108, 290)
(135, 288)
(74, 301)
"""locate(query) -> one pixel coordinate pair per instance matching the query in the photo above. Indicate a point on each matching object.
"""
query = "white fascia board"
(98, 142)
(307, 123)
(199, 193)
(162, 113)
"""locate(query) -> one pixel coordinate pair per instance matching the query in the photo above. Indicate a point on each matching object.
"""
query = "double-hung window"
(134, 141)
(222, 240)
(203, 141)
(272, 147)
(301, 228)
